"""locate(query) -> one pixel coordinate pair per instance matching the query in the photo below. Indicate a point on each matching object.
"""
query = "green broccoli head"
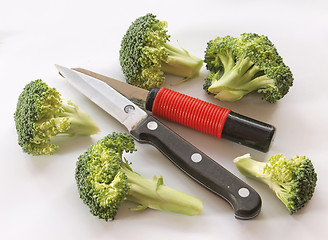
(219, 53)
(293, 180)
(145, 54)
(105, 180)
(245, 64)
(40, 115)
(101, 183)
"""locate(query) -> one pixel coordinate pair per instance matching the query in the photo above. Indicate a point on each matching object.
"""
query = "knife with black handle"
(145, 128)
(245, 200)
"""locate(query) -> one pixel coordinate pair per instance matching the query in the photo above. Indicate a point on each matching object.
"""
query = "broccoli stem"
(179, 62)
(152, 193)
(251, 168)
(238, 80)
(80, 122)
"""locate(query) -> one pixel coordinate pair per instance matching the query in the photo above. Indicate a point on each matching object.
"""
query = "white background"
(39, 198)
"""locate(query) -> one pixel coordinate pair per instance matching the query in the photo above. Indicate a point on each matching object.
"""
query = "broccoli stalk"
(180, 63)
(238, 80)
(78, 122)
(242, 65)
(152, 193)
(145, 54)
(40, 115)
(293, 180)
(105, 180)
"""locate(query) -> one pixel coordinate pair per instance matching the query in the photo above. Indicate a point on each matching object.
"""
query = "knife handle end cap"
(248, 132)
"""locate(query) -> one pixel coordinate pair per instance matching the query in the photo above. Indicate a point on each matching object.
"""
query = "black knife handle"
(245, 201)
(209, 118)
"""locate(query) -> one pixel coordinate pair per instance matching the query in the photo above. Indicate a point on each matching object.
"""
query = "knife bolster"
(151, 98)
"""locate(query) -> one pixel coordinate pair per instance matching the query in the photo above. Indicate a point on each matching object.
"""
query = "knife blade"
(244, 200)
(194, 113)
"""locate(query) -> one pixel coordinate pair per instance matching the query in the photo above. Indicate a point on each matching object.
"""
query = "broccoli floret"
(293, 180)
(40, 115)
(145, 54)
(242, 65)
(105, 180)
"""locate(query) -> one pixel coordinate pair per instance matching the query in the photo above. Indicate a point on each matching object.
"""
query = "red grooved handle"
(190, 112)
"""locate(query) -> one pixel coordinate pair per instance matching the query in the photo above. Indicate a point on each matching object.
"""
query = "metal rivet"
(128, 108)
(243, 192)
(196, 157)
(152, 125)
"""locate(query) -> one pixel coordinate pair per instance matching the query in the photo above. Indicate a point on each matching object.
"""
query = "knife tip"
(58, 67)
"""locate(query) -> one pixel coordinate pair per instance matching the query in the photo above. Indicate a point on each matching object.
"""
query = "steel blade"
(118, 106)
(133, 93)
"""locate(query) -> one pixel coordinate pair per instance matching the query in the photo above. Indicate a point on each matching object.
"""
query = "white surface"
(39, 198)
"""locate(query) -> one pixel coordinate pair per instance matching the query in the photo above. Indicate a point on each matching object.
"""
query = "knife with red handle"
(195, 113)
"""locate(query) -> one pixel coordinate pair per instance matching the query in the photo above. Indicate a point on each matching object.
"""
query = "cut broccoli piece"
(105, 180)
(145, 54)
(242, 65)
(40, 115)
(293, 180)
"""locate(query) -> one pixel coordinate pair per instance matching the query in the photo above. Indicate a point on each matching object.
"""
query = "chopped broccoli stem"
(181, 63)
(80, 123)
(238, 80)
(292, 180)
(251, 168)
(152, 193)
